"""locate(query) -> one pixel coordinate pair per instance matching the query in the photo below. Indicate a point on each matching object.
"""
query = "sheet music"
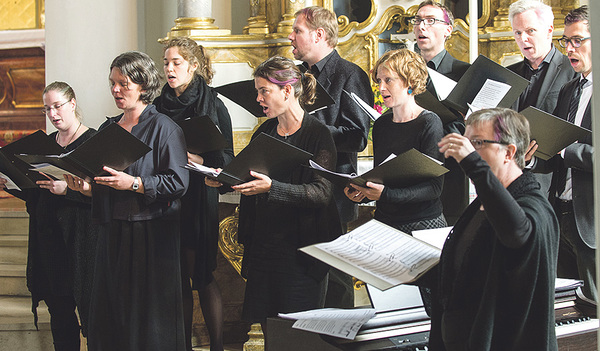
(490, 94)
(436, 237)
(378, 254)
(51, 170)
(442, 84)
(342, 323)
(9, 183)
(368, 109)
(211, 172)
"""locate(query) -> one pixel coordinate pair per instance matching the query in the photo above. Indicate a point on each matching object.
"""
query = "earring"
(410, 91)
(286, 97)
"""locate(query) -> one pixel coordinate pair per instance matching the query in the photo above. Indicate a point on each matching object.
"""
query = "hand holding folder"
(112, 146)
(18, 171)
(551, 133)
(264, 154)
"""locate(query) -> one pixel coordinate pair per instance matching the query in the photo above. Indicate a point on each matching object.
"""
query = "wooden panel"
(22, 80)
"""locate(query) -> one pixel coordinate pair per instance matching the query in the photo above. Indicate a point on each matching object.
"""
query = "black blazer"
(347, 122)
(559, 73)
(578, 156)
(455, 193)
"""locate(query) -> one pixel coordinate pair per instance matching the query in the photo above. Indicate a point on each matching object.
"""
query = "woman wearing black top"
(136, 297)
(186, 94)
(280, 215)
(62, 240)
(402, 74)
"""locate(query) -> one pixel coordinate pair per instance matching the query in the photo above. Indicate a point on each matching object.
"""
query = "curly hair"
(408, 65)
(194, 54)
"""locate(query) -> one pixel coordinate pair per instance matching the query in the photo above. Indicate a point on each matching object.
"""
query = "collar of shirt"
(584, 100)
(318, 67)
(436, 60)
(544, 62)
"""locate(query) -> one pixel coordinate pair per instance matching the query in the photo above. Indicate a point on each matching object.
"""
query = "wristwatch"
(136, 184)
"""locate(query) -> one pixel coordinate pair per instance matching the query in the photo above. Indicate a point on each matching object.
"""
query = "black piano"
(407, 328)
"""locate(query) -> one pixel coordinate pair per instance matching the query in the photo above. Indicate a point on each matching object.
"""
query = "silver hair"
(543, 11)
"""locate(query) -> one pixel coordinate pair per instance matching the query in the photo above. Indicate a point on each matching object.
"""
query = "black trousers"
(63, 323)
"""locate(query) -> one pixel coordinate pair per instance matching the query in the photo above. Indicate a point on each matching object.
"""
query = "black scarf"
(198, 99)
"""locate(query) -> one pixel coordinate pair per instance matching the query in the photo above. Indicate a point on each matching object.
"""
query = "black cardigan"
(502, 296)
(302, 203)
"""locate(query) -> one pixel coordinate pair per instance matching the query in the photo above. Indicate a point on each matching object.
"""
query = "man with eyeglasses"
(432, 26)
(546, 68)
(571, 191)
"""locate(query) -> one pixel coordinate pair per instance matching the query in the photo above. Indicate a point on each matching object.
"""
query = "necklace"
(286, 134)
(70, 140)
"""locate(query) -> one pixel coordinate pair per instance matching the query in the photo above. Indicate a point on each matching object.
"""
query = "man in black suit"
(314, 38)
(546, 68)
(571, 191)
(432, 26)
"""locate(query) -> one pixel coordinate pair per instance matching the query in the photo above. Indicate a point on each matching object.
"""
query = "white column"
(82, 39)
(473, 31)
(194, 8)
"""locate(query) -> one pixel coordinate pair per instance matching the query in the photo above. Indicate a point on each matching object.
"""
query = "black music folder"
(551, 133)
(202, 135)
(112, 146)
(17, 170)
(243, 93)
(485, 84)
(264, 154)
(408, 168)
(369, 110)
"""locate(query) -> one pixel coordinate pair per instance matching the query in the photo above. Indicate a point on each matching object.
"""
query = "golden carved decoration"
(27, 86)
(20, 14)
(230, 248)
(196, 26)
(256, 341)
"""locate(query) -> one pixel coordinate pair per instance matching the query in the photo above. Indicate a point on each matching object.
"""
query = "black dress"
(136, 298)
(199, 206)
(298, 210)
(62, 242)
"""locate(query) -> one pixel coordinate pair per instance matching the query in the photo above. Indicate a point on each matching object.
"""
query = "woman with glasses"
(136, 297)
(62, 240)
(496, 274)
(186, 94)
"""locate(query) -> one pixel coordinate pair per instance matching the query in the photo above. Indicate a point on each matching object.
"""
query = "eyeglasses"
(46, 110)
(428, 21)
(478, 143)
(576, 42)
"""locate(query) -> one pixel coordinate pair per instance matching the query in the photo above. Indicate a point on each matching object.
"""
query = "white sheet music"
(341, 323)
(10, 184)
(51, 170)
(442, 84)
(373, 113)
(490, 94)
(436, 237)
(211, 172)
(377, 254)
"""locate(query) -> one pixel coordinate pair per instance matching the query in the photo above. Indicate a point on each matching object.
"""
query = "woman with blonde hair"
(62, 239)
(186, 94)
(402, 74)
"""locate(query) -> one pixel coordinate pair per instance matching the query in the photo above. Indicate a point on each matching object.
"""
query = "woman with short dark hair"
(136, 301)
